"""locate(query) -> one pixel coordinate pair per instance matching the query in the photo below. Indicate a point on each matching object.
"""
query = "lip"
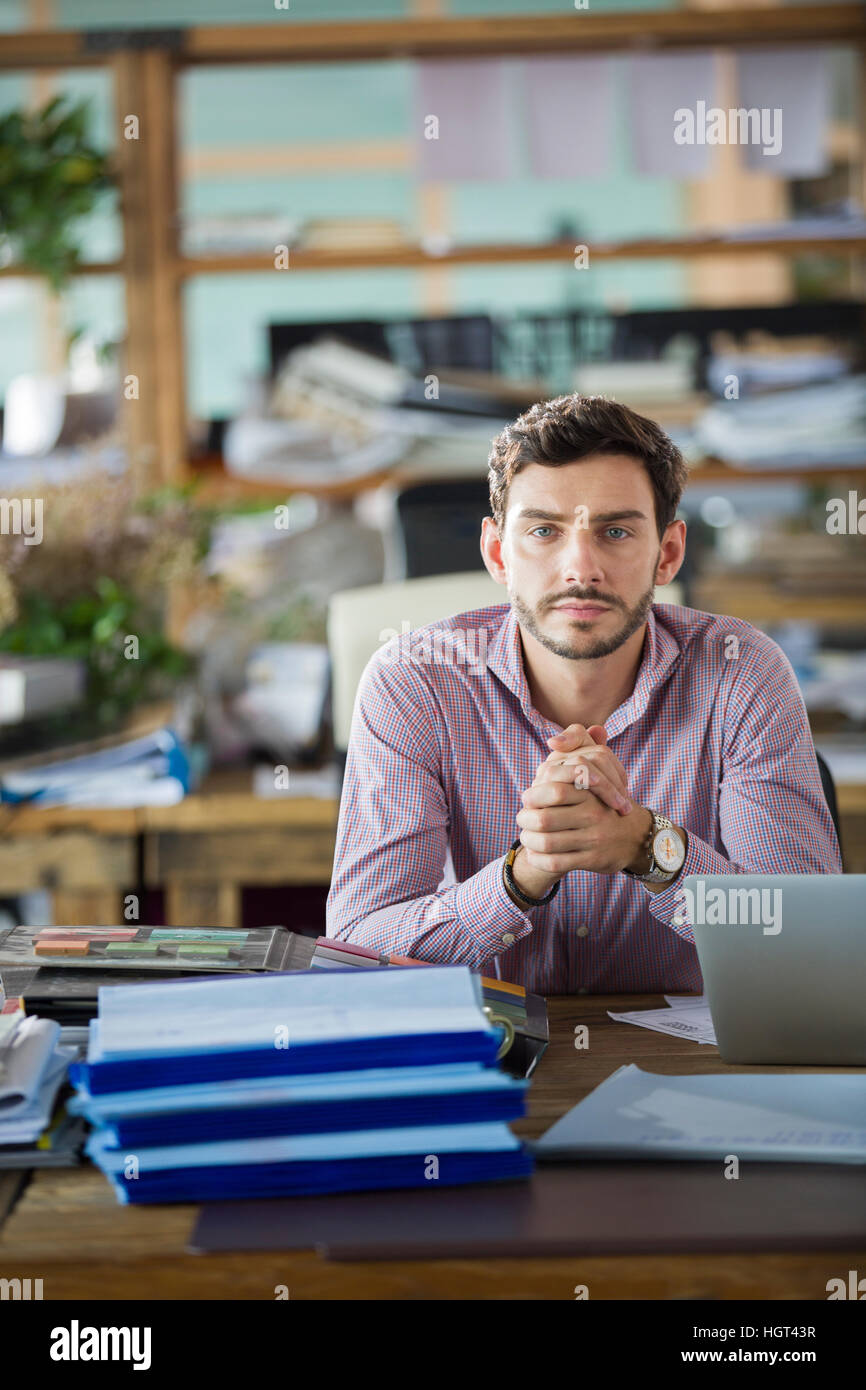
(587, 610)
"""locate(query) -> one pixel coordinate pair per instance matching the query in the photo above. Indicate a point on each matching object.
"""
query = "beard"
(632, 619)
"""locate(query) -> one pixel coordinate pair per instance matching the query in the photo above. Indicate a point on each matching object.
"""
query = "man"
(611, 743)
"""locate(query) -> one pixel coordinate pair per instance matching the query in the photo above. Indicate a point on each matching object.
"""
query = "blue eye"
(536, 529)
(621, 530)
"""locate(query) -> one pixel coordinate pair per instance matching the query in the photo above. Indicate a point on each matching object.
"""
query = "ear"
(491, 551)
(672, 552)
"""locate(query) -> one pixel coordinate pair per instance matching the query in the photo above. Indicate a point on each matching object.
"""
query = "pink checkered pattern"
(444, 742)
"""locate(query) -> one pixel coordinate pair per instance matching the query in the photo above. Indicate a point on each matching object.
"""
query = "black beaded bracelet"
(512, 887)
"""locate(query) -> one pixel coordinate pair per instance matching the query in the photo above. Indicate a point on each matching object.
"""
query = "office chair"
(829, 794)
(358, 617)
(439, 526)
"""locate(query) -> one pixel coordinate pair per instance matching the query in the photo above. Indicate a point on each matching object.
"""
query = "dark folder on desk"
(587, 1208)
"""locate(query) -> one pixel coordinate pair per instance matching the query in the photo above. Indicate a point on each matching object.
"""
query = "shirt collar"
(661, 649)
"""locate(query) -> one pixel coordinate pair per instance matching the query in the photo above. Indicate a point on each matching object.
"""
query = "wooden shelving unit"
(487, 253)
(146, 64)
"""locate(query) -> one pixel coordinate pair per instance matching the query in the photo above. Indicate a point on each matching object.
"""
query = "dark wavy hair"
(573, 427)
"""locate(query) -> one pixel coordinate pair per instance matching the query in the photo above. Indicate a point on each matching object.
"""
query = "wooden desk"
(201, 851)
(68, 1229)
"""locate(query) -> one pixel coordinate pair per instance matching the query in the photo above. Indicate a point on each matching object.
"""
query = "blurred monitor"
(420, 345)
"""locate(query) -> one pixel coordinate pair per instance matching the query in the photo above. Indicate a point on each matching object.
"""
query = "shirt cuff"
(669, 905)
(486, 912)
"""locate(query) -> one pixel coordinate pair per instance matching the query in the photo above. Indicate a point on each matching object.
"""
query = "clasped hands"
(578, 813)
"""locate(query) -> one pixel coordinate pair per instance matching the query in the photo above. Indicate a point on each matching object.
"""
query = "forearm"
(466, 923)
(774, 853)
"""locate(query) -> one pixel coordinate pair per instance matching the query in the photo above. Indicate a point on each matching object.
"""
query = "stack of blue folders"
(309, 1082)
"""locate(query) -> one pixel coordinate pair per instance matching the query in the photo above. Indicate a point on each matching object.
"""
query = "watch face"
(669, 850)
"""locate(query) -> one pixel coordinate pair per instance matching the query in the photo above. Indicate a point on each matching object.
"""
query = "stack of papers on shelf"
(297, 1083)
(687, 1016)
(846, 219)
(816, 426)
(151, 770)
(769, 1117)
(33, 1068)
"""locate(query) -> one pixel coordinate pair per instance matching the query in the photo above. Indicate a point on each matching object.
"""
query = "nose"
(581, 559)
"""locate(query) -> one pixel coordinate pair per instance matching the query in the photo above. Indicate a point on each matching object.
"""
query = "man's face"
(581, 550)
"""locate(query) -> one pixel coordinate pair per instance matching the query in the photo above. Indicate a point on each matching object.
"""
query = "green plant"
(95, 627)
(50, 176)
(104, 571)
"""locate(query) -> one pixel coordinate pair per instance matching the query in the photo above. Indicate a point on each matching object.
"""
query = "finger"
(598, 732)
(602, 786)
(556, 818)
(575, 736)
(557, 842)
(597, 759)
(554, 794)
(558, 863)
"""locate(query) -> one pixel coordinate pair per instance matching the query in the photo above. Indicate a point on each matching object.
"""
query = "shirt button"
(583, 930)
(508, 939)
(677, 921)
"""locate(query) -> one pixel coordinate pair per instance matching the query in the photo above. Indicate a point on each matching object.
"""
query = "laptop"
(783, 958)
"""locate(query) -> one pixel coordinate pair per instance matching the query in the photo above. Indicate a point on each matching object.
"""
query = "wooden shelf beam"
(644, 248)
(443, 37)
(468, 37)
(510, 253)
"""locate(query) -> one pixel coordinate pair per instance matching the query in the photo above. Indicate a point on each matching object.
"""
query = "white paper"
(464, 104)
(569, 115)
(795, 82)
(215, 1015)
(690, 1019)
(660, 85)
(26, 1061)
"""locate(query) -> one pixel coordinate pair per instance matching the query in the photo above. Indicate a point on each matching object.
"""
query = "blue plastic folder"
(274, 1025)
(261, 1107)
(303, 1178)
(298, 1083)
(765, 1117)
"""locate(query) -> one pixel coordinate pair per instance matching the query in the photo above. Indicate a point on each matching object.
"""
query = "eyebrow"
(536, 514)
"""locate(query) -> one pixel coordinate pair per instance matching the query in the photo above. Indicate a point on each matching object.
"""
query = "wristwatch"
(666, 852)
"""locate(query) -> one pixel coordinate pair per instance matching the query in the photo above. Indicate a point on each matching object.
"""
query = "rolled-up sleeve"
(773, 815)
(393, 833)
